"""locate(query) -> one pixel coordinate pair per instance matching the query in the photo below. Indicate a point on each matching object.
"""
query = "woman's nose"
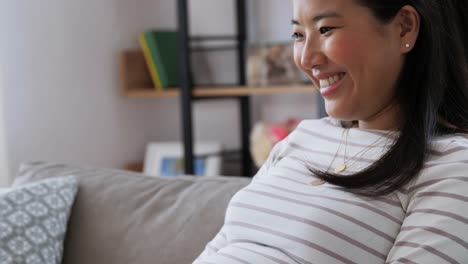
(312, 56)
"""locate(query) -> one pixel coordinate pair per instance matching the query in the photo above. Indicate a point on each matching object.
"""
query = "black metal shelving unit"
(186, 81)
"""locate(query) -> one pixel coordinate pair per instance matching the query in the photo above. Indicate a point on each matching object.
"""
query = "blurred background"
(60, 92)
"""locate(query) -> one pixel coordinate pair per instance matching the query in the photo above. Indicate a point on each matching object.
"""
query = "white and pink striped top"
(281, 218)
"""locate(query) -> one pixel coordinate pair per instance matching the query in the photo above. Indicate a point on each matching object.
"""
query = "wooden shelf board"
(221, 91)
(147, 93)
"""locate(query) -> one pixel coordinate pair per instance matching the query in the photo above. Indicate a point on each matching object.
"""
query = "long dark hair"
(431, 94)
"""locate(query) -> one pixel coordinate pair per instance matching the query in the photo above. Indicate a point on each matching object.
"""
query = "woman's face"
(351, 57)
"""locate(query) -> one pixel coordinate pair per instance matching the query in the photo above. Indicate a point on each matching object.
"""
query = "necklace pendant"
(340, 168)
(317, 182)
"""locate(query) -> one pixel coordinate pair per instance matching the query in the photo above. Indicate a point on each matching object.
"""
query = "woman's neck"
(386, 119)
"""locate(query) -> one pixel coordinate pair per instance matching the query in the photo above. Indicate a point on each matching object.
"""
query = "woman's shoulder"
(448, 153)
(446, 166)
(449, 148)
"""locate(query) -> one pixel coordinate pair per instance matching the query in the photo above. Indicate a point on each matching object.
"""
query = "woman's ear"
(409, 21)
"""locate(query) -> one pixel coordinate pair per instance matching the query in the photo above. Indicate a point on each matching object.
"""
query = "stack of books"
(160, 52)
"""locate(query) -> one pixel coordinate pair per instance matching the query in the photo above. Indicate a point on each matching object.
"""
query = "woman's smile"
(328, 85)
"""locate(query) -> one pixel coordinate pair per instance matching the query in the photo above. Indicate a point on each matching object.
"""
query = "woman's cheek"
(343, 51)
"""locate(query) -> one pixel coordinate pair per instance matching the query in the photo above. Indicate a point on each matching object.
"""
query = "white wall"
(62, 99)
(61, 83)
(5, 176)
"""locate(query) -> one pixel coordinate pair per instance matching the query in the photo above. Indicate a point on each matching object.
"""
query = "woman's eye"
(324, 30)
(296, 35)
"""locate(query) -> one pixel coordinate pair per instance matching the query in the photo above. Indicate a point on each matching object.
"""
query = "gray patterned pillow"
(33, 221)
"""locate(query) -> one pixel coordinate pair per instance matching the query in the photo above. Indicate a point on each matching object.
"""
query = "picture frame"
(165, 159)
(273, 64)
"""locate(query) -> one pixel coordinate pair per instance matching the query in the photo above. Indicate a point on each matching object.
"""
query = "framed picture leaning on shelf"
(165, 159)
(272, 64)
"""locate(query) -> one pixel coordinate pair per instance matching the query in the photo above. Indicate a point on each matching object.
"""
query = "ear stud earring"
(407, 45)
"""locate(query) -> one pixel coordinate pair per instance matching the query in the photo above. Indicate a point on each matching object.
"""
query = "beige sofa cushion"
(121, 217)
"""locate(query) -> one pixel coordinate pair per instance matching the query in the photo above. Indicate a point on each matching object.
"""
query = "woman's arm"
(220, 240)
(435, 229)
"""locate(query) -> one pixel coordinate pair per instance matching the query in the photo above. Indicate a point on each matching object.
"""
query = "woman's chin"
(338, 113)
(333, 110)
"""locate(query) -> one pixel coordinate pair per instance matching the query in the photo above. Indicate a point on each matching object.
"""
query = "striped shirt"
(280, 217)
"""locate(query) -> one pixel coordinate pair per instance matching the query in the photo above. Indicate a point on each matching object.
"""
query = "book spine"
(157, 59)
(149, 61)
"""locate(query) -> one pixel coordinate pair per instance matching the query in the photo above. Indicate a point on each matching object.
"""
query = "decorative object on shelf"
(272, 65)
(164, 159)
(264, 136)
(160, 51)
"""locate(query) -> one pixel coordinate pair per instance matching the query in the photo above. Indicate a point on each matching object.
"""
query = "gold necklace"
(345, 166)
(341, 168)
(318, 182)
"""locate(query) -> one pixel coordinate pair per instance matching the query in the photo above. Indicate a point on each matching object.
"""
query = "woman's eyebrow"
(329, 14)
(317, 18)
(294, 22)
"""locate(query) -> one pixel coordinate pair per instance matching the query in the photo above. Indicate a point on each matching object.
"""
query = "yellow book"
(149, 61)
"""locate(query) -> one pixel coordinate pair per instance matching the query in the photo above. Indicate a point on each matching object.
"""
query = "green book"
(163, 49)
(149, 61)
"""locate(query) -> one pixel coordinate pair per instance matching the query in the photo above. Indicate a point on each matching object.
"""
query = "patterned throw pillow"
(33, 221)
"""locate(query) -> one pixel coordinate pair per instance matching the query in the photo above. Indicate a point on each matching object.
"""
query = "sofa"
(122, 217)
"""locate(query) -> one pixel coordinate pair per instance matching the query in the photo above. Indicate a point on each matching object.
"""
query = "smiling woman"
(347, 52)
(384, 178)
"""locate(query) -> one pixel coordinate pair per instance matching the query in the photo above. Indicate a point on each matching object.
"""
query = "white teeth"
(331, 80)
(324, 83)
